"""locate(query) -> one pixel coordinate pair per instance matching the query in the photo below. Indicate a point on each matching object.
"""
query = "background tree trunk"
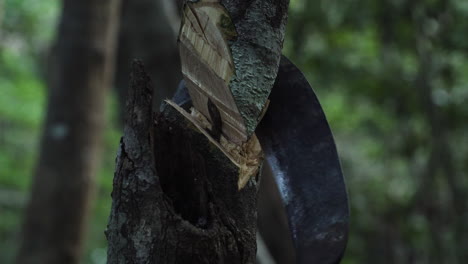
(63, 182)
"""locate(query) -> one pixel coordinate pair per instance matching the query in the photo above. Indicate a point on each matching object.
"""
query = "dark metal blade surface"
(300, 149)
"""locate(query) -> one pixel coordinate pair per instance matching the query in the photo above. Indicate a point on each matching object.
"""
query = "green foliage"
(22, 91)
(392, 79)
(22, 98)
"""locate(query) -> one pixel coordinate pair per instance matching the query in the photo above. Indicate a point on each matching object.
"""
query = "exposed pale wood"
(230, 54)
(248, 157)
(207, 64)
(199, 80)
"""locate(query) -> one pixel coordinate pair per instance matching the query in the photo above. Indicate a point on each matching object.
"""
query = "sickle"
(300, 149)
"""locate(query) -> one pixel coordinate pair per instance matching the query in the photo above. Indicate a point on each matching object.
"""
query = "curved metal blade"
(299, 147)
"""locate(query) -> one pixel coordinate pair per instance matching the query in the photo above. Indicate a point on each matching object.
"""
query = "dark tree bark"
(176, 196)
(63, 181)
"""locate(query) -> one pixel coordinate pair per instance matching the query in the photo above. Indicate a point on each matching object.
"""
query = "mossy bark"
(256, 53)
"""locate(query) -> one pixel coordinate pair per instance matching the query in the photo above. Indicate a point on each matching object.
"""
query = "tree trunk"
(63, 182)
(185, 187)
(176, 196)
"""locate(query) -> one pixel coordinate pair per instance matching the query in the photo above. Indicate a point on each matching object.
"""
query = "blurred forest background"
(392, 77)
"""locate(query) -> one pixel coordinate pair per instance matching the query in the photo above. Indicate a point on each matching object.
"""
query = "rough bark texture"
(55, 217)
(146, 33)
(260, 27)
(175, 197)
